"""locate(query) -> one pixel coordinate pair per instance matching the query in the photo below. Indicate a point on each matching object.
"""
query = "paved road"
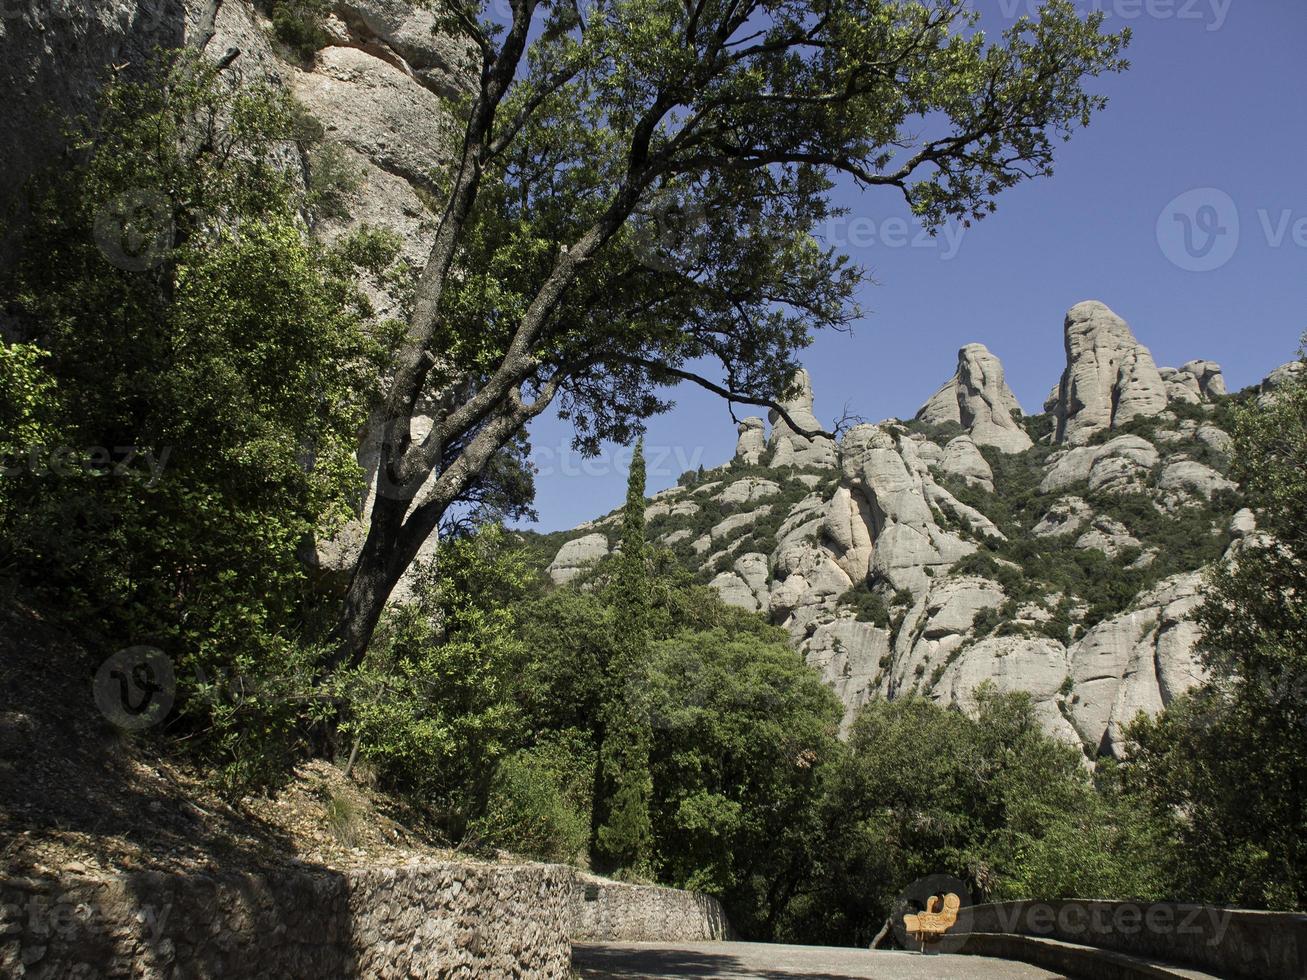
(765, 961)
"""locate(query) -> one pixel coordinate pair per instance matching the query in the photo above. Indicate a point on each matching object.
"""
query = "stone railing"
(1225, 942)
(429, 919)
(603, 910)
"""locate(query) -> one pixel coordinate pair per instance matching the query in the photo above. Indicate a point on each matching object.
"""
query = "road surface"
(767, 961)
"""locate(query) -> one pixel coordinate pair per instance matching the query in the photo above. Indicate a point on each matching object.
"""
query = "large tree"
(634, 197)
(1225, 767)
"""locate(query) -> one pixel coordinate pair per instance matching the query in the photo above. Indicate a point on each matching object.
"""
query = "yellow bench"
(934, 921)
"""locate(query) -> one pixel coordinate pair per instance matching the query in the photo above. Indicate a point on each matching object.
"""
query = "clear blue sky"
(1216, 98)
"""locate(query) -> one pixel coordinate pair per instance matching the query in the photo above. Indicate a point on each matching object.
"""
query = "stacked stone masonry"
(434, 919)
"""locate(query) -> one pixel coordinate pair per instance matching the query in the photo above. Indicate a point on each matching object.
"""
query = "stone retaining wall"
(612, 911)
(419, 920)
(1226, 942)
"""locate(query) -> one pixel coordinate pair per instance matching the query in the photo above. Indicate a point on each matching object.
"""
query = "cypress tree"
(625, 838)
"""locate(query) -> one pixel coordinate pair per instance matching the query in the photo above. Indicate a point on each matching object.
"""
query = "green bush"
(434, 706)
(992, 800)
(299, 25)
(28, 408)
(207, 367)
(540, 800)
(867, 605)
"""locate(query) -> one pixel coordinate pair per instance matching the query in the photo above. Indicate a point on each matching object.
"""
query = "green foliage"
(1030, 567)
(1224, 769)
(743, 731)
(540, 800)
(332, 179)
(433, 707)
(926, 790)
(208, 373)
(868, 605)
(28, 408)
(625, 835)
(299, 25)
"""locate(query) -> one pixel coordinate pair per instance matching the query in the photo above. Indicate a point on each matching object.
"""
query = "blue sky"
(1215, 103)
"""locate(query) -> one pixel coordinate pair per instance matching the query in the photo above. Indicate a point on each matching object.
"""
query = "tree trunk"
(391, 545)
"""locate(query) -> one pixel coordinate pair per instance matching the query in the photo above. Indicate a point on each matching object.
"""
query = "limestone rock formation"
(872, 569)
(978, 398)
(387, 116)
(1192, 477)
(1211, 383)
(1109, 379)
(577, 556)
(790, 448)
(961, 459)
(752, 442)
(1109, 536)
(1284, 375)
(1138, 661)
(747, 491)
(1036, 665)
(894, 482)
(1067, 516)
(1122, 464)
(411, 32)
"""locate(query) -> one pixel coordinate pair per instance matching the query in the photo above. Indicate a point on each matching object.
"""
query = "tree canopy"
(636, 193)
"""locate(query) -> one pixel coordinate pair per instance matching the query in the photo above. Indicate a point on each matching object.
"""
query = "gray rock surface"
(887, 522)
(790, 448)
(962, 460)
(382, 113)
(1211, 383)
(892, 481)
(752, 441)
(747, 490)
(1119, 465)
(978, 398)
(1036, 665)
(1108, 536)
(1109, 379)
(1067, 516)
(410, 31)
(1285, 374)
(1136, 662)
(1188, 476)
(577, 556)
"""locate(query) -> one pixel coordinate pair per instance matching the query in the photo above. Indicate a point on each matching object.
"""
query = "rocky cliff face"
(380, 89)
(1058, 554)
